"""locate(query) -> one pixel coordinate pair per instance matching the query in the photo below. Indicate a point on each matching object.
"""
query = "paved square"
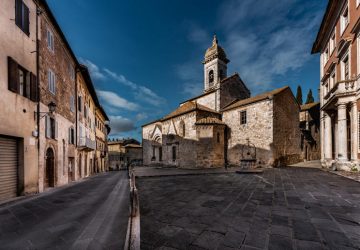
(288, 208)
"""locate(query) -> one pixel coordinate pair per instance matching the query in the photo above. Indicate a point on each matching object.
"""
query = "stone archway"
(50, 168)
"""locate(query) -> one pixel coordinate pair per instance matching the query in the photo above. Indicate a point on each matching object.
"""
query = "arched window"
(182, 128)
(211, 77)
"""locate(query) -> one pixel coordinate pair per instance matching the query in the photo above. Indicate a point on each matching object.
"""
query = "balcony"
(87, 144)
(342, 88)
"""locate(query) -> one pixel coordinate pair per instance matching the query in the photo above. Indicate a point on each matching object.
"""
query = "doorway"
(71, 172)
(50, 169)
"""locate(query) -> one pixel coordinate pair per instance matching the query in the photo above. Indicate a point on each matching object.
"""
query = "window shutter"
(13, 84)
(18, 12)
(28, 85)
(56, 130)
(26, 20)
(70, 142)
(33, 88)
(47, 127)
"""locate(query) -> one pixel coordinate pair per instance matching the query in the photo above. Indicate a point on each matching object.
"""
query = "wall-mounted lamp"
(52, 108)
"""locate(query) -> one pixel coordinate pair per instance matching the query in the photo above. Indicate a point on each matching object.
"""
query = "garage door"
(8, 168)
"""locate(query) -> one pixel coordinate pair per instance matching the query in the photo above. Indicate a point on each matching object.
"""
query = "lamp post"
(52, 108)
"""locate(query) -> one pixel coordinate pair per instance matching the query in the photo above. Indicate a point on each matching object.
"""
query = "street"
(91, 214)
(286, 208)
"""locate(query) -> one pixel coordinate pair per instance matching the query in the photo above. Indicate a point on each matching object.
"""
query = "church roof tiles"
(186, 108)
(210, 121)
(308, 106)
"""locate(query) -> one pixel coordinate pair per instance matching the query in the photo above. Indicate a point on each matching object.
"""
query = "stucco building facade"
(18, 102)
(225, 125)
(338, 43)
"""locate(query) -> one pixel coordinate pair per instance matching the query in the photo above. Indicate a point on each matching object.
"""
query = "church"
(225, 125)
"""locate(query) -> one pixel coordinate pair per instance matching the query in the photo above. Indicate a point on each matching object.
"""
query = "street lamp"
(52, 108)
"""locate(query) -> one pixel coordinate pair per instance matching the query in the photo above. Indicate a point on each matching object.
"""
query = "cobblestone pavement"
(92, 214)
(287, 208)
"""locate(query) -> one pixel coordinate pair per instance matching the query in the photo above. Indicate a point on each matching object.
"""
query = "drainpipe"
(38, 13)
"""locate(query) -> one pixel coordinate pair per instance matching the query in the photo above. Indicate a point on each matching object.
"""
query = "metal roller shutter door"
(8, 168)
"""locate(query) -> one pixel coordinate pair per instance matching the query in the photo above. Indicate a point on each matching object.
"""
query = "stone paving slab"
(287, 208)
(158, 171)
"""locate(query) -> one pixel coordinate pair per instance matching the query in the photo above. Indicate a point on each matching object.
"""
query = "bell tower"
(215, 66)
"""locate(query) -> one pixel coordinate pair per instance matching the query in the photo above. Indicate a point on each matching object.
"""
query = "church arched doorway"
(50, 168)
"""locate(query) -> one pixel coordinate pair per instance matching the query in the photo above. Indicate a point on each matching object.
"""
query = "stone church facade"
(225, 125)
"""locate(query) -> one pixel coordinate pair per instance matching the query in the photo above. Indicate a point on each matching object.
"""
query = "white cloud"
(264, 41)
(141, 116)
(94, 70)
(114, 100)
(140, 92)
(120, 124)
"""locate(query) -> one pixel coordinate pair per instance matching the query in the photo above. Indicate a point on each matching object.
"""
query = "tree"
(299, 95)
(310, 98)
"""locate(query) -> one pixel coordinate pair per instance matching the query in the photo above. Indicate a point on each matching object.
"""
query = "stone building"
(339, 46)
(57, 64)
(102, 130)
(224, 125)
(18, 102)
(124, 152)
(86, 100)
(310, 131)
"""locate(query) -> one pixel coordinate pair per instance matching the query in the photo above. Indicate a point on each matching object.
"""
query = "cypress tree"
(299, 95)
(310, 98)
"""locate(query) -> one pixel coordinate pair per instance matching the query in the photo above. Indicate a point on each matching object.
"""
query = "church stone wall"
(208, 100)
(258, 129)
(210, 150)
(231, 90)
(148, 143)
(287, 136)
(184, 144)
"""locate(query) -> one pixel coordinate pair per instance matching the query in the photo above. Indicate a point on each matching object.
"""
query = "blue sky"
(145, 56)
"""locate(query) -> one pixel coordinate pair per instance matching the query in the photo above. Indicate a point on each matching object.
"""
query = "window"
(50, 40)
(211, 77)
(218, 137)
(21, 81)
(50, 128)
(332, 42)
(332, 78)
(22, 16)
(344, 19)
(79, 103)
(71, 135)
(72, 103)
(71, 72)
(243, 117)
(51, 81)
(345, 68)
(160, 153)
(326, 55)
(174, 153)
(85, 111)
